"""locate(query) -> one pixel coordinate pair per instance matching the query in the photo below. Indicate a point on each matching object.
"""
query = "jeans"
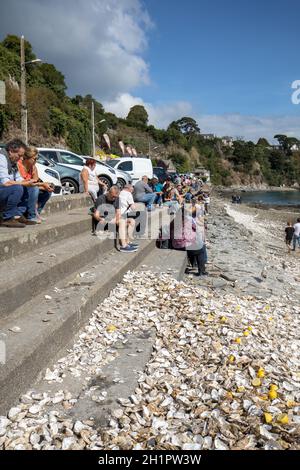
(11, 201)
(295, 238)
(199, 256)
(34, 200)
(148, 199)
(158, 199)
(174, 206)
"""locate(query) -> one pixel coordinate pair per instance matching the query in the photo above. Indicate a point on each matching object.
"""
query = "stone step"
(42, 334)
(66, 203)
(71, 307)
(26, 276)
(58, 227)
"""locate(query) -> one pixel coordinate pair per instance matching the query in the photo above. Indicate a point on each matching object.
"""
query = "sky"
(229, 64)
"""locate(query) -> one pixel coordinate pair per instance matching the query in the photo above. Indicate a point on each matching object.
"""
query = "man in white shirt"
(296, 236)
(126, 199)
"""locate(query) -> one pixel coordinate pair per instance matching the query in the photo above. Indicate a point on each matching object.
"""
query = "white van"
(135, 167)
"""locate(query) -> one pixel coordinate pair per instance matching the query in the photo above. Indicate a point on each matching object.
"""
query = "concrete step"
(26, 276)
(66, 203)
(42, 335)
(16, 242)
(49, 337)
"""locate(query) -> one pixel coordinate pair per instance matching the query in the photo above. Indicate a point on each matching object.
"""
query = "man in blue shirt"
(12, 194)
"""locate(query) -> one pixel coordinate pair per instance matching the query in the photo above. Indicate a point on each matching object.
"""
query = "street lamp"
(93, 129)
(24, 126)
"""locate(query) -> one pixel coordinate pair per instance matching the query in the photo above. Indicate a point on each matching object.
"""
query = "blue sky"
(229, 64)
(225, 56)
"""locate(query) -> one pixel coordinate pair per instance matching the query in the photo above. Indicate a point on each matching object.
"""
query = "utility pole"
(23, 95)
(93, 130)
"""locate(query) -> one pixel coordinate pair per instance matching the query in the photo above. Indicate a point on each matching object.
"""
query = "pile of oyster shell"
(223, 374)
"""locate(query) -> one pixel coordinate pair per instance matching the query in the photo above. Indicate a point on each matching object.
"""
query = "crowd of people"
(124, 212)
(22, 194)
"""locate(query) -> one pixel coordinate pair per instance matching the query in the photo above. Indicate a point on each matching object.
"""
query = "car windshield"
(44, 161)
(71, 159)
(112, 163)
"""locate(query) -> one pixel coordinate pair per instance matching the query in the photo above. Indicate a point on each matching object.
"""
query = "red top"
(26, 174)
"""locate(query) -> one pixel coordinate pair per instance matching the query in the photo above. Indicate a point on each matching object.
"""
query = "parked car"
(123, 177)
(135, 167)
(69, 177)
(47, 175)
(72, 160)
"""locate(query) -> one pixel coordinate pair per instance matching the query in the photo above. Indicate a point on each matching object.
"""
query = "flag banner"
(134, 152)
(106, 138)
(129, 150)
(122, 146)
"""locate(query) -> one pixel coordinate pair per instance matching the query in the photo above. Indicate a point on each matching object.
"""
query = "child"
(289, 233)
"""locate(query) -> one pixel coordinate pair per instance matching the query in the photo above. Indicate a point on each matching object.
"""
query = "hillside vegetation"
(54, 118)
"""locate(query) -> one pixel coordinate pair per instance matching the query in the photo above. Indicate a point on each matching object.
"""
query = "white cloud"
(160, 115)
(235, 125)
(98, 45)
(250, 127)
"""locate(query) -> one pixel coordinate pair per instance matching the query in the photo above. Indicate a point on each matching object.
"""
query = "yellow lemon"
(268, 418)
(273, 387)
(238, 340)
(246, 333)
(264, 397)
(283, 419)
(111, 328)
(231, 358)
(250, 328)
(291, 404)
(261, 373)
(256, 382)
(272, 395)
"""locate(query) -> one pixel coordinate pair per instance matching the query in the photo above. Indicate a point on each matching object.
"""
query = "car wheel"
(121, 183)
(69, 186)
(105, 180)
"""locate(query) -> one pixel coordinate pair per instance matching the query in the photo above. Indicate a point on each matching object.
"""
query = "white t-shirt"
(297, 229)
(126, 200)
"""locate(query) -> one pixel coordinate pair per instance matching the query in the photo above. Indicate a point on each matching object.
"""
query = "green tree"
(181, 162)
(186, 125)
(53, 79)
(9, 64)
(263, 142)
(58, 122)
(13, 44)
(137, 117)
(286, 143)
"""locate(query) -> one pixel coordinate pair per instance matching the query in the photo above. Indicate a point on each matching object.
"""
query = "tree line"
(52, 114)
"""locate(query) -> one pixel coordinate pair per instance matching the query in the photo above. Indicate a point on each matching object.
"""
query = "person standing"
(296, 236)
(289, 232)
